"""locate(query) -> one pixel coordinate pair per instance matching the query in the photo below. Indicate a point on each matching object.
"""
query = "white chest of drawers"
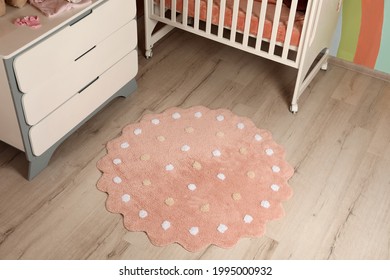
(53, 79)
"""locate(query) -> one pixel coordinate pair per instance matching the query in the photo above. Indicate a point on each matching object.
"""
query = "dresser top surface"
(14, 39)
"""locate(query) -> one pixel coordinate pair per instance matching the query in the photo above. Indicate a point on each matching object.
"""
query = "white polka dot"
(166, 225)
(221, 176)
(220, 118)
(117, 180)
(194, 230)
(125, 145)
(276, 169)
(176, 116)
(275, 187)
(198, 115)
(222, 228)
(217, 153)
(117, 161)
(185, 148)
(191, 187)
(269, 152)
(126, 198)
(137, 131)
(143, 214)
(258, 137)
(265, 204)
(248, 219)
(155, 121)
(169, 167)
(240, 126)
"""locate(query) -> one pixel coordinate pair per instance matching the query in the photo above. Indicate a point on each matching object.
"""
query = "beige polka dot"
(145, 157)
(161, 138)
(189, 129)
(169, 201)
(236, 196)
(243, 151)
(205, 208)
(251, 174)
(146, 182)
(220, 134)
(196, 165)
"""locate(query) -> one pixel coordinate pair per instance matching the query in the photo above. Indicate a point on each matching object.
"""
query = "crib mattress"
(267, 31)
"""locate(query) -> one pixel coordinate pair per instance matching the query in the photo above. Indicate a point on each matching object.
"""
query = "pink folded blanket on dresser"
(54, 7)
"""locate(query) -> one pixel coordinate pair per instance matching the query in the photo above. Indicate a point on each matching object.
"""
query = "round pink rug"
(195, 177)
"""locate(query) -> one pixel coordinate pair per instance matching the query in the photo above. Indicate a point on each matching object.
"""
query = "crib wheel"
(324, 66)
(148, 54)
(294, 108)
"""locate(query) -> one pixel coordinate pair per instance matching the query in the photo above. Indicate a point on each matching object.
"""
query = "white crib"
(267, 28)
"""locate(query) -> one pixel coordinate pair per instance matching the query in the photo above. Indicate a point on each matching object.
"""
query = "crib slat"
(196, 18)
(275, 26)
(173, 8)
(209, 14)
(290, 26)
(222, 7)
(260, 29)
(185, 12)
(162, 8)
(248, 18)
(152, 8)
(234, 21)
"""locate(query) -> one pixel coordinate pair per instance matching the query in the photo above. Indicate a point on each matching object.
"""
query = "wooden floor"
(338, 143)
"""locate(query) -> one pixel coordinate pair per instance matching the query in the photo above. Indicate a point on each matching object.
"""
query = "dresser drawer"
(71, 78)
(41, 62)
(65, 118)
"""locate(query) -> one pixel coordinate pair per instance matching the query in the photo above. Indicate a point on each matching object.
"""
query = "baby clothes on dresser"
(30, 21)
(54, 7)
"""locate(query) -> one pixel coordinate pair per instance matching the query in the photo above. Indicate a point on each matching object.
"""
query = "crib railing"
(204, 18)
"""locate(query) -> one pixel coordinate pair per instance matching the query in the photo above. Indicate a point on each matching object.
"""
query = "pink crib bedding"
(298, 23)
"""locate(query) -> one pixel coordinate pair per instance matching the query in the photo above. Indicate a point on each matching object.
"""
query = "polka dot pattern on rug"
(195, 177)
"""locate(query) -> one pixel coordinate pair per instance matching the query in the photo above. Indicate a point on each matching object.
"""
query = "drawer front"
(65, 118)
(39, 63)
(70, 79)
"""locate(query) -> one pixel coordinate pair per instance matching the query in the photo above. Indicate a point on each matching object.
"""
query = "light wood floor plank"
(338, 144)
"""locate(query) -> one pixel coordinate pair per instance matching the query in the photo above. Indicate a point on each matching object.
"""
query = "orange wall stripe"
(370, 33)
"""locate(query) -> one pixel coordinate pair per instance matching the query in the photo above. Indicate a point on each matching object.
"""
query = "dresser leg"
(127, 90)
(37, 165)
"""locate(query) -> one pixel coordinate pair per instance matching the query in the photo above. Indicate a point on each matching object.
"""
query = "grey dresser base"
(37, 164)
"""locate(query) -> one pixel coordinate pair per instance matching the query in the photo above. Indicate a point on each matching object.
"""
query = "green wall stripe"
(352, 15)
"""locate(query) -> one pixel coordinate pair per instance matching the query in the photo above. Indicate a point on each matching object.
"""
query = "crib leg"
(294, 108)
(304, 78)
(149, 27)
(150, 24)
(148, 54)
(297, 92)
(324, 66)
(152, 37)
